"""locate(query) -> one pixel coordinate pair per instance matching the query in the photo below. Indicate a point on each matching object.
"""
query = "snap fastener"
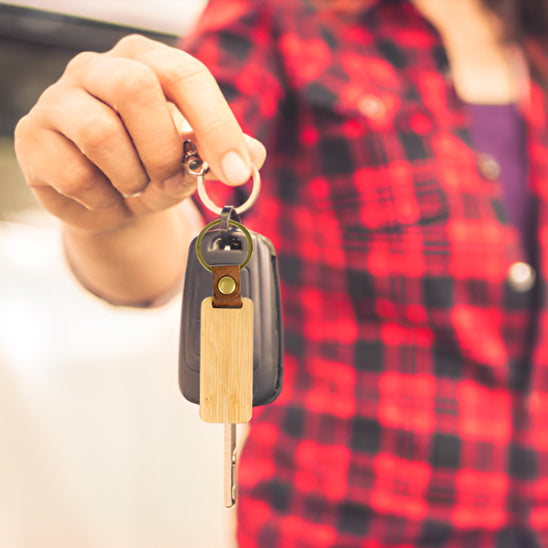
(488, 167)
(521, 277)
(371, 106)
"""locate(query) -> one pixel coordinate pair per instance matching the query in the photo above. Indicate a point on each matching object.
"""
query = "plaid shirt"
(415, 405)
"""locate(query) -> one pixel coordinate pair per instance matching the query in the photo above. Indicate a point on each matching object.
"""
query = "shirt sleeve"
(237, 41)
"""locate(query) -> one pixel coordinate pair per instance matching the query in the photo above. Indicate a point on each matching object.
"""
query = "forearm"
(138, 263)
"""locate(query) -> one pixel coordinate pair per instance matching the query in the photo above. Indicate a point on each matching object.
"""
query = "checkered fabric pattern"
(415, 405)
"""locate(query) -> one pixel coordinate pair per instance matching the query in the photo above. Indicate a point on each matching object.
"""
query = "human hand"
(103, 146)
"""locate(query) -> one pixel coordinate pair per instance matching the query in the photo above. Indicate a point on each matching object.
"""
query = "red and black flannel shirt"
(415, 404)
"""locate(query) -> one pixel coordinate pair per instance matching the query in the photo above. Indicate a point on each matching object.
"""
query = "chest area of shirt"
(393, 141)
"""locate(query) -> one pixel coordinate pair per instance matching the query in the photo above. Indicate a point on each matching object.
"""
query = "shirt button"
(488, 167)
(372, 107)
(521, 277)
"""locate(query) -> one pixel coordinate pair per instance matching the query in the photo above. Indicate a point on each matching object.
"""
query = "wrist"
(137, 263)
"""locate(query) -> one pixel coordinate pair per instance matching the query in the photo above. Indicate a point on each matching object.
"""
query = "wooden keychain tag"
(226, 351)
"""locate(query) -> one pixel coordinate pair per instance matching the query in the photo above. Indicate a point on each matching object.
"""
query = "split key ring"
(194, 165)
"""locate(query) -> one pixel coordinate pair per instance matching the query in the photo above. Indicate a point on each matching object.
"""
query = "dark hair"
(526, 21)
(522, 19)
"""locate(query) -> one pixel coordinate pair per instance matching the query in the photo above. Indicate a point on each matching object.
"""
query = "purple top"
(499, 131)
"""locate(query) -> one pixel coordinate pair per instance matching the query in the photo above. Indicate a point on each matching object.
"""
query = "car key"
(226, 363)
(223, 252)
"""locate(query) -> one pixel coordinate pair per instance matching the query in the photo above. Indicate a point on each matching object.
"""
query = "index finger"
(191, 86)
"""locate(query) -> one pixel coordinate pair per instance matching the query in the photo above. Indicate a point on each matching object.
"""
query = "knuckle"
(97, 131)
(22, 129)
(25, 143)
(52, 95)
(184, 68)
(219, 129)
(80, 62)
(136, 81)
(132, 41)
(79, 178)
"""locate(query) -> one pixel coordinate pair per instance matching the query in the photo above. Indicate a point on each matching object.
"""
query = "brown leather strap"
(222, 299)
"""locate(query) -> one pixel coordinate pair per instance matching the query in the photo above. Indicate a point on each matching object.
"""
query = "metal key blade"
(230, 465)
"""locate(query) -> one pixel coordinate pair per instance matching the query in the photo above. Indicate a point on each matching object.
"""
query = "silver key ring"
(196, 166)
(240, 209)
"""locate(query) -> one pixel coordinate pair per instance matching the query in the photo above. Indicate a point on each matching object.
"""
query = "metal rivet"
(521, 276)
(226, 285)
(488, 167)
(372, 107)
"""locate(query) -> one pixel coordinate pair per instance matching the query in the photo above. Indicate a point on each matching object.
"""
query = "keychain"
(231, 351)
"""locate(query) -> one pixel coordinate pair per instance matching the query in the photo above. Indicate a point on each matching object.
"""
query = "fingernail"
(234, 168)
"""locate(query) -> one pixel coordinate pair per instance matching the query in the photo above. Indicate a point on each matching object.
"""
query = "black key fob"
(225, 244)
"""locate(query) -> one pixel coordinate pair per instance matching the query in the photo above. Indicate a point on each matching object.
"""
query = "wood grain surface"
(226, 363)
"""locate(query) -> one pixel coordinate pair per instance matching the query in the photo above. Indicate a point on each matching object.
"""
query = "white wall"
(171, 16)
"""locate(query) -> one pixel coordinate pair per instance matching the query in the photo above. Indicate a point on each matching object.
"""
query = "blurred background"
(97, 447)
